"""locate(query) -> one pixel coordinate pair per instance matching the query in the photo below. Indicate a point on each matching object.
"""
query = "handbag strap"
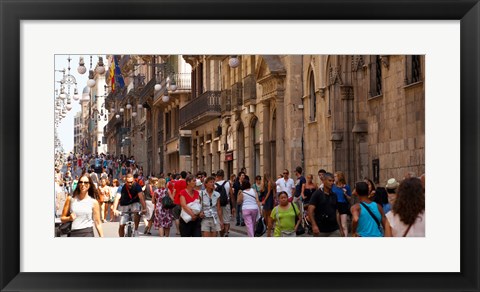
(371, 214)
(294, 212)
(278, 217)
(259, 209)
(408, 229)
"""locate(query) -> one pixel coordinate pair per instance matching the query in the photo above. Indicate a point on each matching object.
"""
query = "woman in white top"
(407, 217)
(211, 214)
(250, 206)
(82, 209)
(104, 200)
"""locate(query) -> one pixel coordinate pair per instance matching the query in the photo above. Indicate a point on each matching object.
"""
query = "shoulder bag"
(374, 218)
(167, 202)
(300, 229)
(65, 228)
(260, 226)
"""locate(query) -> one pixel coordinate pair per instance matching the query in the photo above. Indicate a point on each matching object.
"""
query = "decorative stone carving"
(385, 61)
(273, 86)
(334, 74)
(336, 137)
(357, 62)
(321, 91)
(346, 92)
(360, 127)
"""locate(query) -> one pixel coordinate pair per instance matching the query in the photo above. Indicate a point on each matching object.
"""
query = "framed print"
(33, 33)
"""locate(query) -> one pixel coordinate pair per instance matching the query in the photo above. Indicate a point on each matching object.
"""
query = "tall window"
(313, 99)
(376, 77)
(167, 125)
(413, 69)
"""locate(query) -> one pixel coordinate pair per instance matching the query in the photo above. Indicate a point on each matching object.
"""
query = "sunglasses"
(129, 182)
(285, 173)
(83, 182)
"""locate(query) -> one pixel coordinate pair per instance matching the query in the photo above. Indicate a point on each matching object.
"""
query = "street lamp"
(63, 102)
(233, 62)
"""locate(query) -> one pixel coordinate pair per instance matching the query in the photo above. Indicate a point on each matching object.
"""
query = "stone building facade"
(361, 114)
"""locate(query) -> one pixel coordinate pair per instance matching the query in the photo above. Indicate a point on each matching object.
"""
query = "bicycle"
(129, 226)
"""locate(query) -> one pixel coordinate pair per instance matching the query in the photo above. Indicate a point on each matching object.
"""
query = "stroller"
(305, 220)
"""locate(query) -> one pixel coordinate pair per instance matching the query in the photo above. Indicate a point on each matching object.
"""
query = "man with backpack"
(323, 210)
(222, 186)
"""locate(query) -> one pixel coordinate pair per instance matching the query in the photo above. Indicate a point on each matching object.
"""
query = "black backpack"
(223, 193)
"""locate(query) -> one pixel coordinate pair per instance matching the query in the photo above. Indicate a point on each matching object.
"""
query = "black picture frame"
(12, 12)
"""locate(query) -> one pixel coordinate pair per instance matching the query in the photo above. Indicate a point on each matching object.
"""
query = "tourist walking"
(163, 217)
(248, 198)
(407, 217)
(83, 210)
(283, 216)
(368, 219)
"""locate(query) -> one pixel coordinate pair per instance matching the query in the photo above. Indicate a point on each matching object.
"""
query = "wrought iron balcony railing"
(183, 80)
(249, 88)
(237, 95)
(201, 110)
(226, 100)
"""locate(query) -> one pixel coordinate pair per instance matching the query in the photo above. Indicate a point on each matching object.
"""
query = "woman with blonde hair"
(163, 217)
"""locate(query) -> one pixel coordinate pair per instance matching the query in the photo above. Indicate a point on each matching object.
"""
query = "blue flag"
(118, 74)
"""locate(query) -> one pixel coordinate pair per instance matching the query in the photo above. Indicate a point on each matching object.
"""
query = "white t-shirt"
(227, 186)
(286, 186)
(399, 228)
(83, 209)
(249, 201)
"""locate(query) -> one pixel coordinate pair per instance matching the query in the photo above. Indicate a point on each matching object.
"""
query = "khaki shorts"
(134, 207)
(226, 214)
(208, 225)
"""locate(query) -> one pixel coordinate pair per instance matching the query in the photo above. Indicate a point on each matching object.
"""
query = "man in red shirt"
(179, 186)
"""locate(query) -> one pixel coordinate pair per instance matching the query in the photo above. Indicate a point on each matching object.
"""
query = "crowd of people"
(101, 188)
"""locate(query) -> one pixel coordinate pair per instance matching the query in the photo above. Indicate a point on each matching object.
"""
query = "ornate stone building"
(364, 115)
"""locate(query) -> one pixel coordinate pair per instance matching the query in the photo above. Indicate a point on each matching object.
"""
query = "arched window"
(256, 146)
(413, 69)
(376, 77)
(313, 99)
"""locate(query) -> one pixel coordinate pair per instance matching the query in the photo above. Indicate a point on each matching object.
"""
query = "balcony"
(249, 89)
(226, 100)
(237, 99)
(201, 110)
(183, 81)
